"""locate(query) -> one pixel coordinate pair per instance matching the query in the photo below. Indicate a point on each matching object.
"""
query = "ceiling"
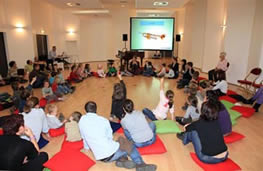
(143, 7)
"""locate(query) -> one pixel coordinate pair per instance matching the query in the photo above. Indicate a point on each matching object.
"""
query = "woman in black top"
(206, 136)
(17, 153)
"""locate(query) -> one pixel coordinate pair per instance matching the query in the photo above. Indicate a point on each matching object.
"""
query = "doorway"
(3, 57)
(42, 49)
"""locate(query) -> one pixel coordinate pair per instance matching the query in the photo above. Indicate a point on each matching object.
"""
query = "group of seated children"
(40, 122)
(78, 73)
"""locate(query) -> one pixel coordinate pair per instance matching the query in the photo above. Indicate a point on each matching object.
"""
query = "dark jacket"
(117, 104)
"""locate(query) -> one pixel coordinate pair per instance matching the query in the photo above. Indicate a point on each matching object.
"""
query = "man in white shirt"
(142, 133)
(52, 56)
(97, 135)
(221, 66)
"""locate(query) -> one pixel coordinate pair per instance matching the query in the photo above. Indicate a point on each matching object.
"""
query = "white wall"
(96, 38)
(213, 34)
(19, 41)
(56, 23)
(194, 31)
(204, 38)
(188, 25)
(240, 17)
(256, 46)
(101, 36)
(180, 21)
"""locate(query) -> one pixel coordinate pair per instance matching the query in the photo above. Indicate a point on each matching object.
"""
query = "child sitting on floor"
(87, 70)
(52, 76)
(170, 74)
(60, 89)
(162, 71)
(100, 71)
(187, 76)
(124, 72)
(183, 67)
(166, 104)
(54, 120)
(73, 75)
(175, 67)
(221, 85)
(61, 81)
(72, 127)
(17, 91)
(48, 93)
(135, 66)
(112, 72)
(148, 70)
(80, 72)
(192, 113)
(224, 119)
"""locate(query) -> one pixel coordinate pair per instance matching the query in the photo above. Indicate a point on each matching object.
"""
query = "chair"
(257, 86)
(248, 81)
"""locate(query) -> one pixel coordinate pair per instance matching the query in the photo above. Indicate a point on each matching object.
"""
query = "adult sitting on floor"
(221, 66)
(17, 153)
(40, 77)
(97, 136)
(35, 119)
(143, 132)
(206, 136)
(257, 97)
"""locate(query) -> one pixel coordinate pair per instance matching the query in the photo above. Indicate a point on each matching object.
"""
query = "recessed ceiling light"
(91, 12)
(161, 4)
(73, 4)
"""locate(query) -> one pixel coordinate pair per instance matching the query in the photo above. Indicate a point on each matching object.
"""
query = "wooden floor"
(145, 93)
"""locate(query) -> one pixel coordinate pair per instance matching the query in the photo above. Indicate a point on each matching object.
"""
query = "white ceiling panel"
(86, 4)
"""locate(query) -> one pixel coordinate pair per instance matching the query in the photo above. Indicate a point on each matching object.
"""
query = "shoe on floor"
(127, 164)
(146, 167)
(180, 136)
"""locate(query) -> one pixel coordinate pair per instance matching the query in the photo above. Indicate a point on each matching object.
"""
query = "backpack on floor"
(6, 101)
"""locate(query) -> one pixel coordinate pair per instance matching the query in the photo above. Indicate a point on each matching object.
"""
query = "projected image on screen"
(152, 33)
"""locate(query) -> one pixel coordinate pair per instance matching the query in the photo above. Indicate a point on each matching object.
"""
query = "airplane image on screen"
(153, 36)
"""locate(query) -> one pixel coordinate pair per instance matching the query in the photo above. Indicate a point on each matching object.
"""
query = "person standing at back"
(51, 56)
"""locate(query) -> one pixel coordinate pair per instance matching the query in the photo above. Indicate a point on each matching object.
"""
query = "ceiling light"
(73, 4)
(160, 4)
(91, 12)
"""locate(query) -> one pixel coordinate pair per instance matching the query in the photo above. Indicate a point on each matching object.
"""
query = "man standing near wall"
(51, 56)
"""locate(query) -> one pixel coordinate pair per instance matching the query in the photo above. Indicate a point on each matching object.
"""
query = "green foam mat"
(166, 127)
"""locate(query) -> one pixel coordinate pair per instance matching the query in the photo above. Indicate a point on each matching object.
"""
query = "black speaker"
(178, 38)
(125, 37)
